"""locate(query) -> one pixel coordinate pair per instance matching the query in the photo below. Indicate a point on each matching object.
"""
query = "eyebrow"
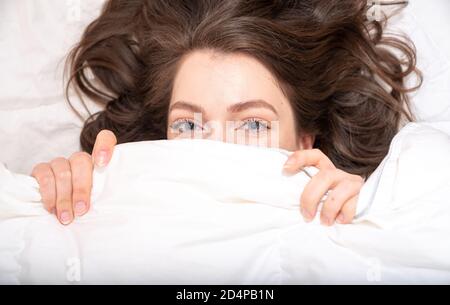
(251, 104)
(233, 108)
(187, 106)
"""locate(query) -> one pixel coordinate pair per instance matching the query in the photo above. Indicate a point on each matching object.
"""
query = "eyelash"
(175, 126)
(265, 125)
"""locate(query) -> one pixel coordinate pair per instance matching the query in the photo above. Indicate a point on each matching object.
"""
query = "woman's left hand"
(344, 188)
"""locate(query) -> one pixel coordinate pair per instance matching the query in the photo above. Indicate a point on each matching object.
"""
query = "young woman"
(317, 74)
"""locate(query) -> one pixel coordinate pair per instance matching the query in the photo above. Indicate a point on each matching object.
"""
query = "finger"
(316, 188)
(81, 167)
(337, 197)
(310, 157)
(47, 187)
(63, 175)
(103, 147)
(348, 211)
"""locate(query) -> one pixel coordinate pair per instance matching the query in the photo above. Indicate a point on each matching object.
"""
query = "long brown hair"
(340, 72)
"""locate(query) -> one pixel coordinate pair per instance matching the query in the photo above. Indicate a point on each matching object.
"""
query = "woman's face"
(231, 98)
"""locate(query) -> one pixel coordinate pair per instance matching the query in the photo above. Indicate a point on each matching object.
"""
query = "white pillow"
(431, 102)
(36, 123)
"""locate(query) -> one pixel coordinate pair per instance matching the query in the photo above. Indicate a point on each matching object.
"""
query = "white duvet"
(206, 212)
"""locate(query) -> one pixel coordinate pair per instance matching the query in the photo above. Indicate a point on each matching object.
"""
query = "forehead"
(210, 78)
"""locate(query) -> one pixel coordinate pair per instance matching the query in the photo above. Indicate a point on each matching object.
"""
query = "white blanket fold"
(206, 212)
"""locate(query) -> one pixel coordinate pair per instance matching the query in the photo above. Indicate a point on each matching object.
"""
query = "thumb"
(103, 147)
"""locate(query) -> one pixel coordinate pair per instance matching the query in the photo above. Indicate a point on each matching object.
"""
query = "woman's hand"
(340, 204)
(65, 184)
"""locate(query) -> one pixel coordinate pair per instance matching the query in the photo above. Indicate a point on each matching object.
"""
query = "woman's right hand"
(65, 184)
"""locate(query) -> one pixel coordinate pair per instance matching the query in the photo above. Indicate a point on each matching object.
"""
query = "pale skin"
(220, 88)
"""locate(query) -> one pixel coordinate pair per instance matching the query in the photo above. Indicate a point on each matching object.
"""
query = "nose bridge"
(215, 130)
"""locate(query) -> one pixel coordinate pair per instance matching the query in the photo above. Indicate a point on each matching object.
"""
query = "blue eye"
(185, 125)
(255, 125)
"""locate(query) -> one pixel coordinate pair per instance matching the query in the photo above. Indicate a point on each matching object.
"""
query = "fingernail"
(340, 218)
(306, 215)
(326, 221)
(289, 162)
(101, 158)
(65, 217)
(80, 208)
